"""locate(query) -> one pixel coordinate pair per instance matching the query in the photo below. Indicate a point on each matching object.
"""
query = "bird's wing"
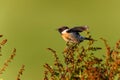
(78, 29)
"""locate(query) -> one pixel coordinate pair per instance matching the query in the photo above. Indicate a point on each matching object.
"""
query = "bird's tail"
(89, 39)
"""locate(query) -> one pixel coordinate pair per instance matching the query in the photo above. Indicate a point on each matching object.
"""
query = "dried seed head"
(3, 42)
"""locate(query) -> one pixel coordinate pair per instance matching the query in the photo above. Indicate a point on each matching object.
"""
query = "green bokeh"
(30, 27)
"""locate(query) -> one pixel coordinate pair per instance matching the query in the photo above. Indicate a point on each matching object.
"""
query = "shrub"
(80, 63)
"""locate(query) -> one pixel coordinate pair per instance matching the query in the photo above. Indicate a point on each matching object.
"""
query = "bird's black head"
(61, 29)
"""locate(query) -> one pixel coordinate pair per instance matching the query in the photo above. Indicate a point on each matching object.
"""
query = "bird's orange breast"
(69, 37)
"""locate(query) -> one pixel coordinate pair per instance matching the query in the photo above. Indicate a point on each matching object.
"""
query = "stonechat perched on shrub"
(71, 35)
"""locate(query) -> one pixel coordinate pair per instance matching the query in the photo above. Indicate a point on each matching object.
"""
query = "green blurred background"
(30, 27)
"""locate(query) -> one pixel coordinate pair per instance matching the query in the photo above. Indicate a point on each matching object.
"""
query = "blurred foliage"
(9, 60)
(80, 63)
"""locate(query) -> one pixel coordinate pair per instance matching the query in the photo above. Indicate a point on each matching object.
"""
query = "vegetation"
(80, 63)
(9, 60)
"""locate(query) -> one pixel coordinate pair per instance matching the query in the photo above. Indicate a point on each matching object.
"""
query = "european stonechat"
(71, 35)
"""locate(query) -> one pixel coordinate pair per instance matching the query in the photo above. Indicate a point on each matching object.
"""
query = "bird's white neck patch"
(63, 32)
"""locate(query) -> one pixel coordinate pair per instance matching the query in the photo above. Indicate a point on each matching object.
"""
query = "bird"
(72, 35)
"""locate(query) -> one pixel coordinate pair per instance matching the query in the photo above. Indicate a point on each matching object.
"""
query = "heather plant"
(80, 63)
